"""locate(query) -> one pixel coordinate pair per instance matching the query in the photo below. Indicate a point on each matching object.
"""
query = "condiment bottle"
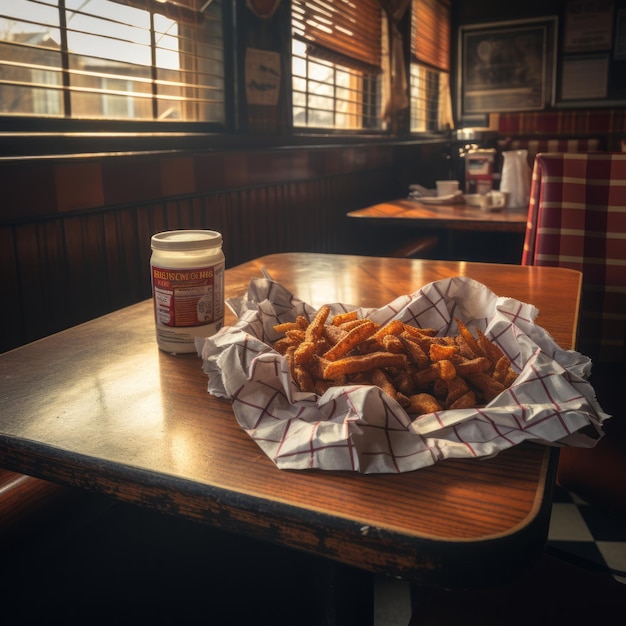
(187, 273)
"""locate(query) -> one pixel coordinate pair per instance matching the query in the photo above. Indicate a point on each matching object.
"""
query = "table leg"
(346, 595)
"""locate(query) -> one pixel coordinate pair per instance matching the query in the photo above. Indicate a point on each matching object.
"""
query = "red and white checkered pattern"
(577, 219)
(361, 428)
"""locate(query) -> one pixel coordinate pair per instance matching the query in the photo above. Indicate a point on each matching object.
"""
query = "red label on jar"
(188, 297)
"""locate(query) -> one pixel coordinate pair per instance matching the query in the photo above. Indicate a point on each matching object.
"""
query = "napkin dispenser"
(479, 166)
(516, 176)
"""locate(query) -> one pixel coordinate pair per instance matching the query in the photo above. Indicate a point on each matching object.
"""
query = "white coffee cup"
(447, 187)
(494, 200)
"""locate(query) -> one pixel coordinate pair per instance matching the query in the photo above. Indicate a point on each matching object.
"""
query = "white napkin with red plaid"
(362, 429)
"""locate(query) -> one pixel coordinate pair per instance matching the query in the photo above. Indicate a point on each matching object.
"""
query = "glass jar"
(187, 274)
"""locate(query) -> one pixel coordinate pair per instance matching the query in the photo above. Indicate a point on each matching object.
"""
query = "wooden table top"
(412, 213)
(99, 406)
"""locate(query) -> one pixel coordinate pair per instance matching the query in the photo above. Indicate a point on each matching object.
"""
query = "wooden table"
(413, 214)
(100, 407)
(453, 223)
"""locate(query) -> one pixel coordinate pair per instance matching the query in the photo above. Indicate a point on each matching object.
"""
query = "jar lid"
(181, 240)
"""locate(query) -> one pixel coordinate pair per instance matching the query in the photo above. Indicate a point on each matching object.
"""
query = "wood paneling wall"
(72, 262)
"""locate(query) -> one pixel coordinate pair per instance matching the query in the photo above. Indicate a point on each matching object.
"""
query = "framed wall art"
(591, 70)
(506, 66)
(588, 26)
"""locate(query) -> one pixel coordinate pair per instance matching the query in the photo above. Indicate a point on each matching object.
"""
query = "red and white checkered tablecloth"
(577, 219)
(359, 427)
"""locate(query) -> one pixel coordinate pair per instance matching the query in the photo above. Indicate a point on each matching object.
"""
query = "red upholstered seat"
(577, 219)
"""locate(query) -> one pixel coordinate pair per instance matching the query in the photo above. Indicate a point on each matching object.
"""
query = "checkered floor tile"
(587, 535)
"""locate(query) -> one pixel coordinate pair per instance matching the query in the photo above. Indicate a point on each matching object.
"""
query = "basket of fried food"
(449, 371)
(424, 373)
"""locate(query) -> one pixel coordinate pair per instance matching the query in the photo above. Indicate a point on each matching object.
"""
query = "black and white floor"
(587, 535)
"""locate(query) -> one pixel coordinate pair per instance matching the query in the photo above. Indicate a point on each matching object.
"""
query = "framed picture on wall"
(584, 77)
(506, 66)
(588, 26)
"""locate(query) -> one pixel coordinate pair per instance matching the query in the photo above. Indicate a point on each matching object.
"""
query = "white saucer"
(452, 198)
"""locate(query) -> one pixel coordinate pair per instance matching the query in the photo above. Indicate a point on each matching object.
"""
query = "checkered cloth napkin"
(360, 428)
(577, 220)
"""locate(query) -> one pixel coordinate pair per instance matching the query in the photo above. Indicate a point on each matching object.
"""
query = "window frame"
(326, 40)
(31, 136)
(43, 130)
(365, 94)
(427, 60)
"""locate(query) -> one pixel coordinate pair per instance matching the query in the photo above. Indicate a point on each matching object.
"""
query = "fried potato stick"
(282, 345)
(286, 326)
(352, 338)
(501, 369)
(456, 388)
(362, 363)
(380, 379)
(303, 379)
(391, 343)
(295, 334)
(443, 369)
(472, 344)
(340, 318)
(422, 371)
(414, 350)
(333, 334)
(490, 349)
(350, 324)
(487, 386)
(404, 382)
(466, 367)
(395, 327)
(422, 403)
(304, 352)
(315, 329)
(466, 401)
(419, 332)
(439, 352)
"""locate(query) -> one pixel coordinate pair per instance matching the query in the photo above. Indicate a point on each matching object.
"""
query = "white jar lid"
(181, 240)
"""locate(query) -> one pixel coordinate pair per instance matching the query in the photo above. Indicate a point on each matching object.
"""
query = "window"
(156, 60)
(336, 64)
(105, 66)
(430, 65)
(424, 98)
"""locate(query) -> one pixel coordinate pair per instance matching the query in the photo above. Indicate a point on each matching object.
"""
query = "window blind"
(431, 33)
(112, 59)
(346, 32)
(180, 10)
